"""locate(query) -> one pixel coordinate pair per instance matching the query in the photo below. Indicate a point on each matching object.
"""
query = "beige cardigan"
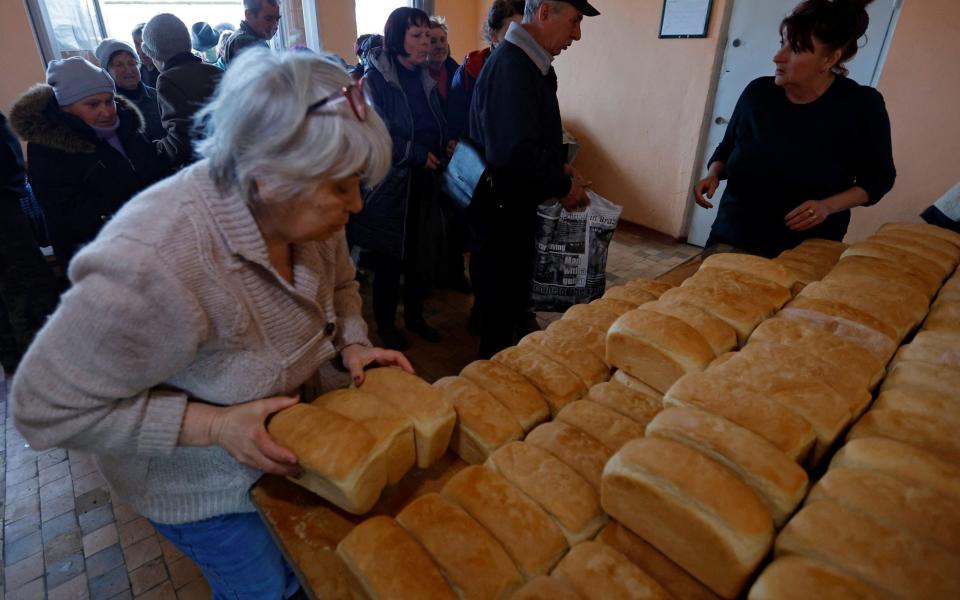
(177, 299)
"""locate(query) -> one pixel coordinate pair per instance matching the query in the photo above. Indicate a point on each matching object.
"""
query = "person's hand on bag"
(433, 163)
(809, 214)
(451, 147)
(356, 357)
(575, 175)
(576, 198)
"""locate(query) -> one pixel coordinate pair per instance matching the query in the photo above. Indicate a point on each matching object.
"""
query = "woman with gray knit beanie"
(206, 304)
(86, 151)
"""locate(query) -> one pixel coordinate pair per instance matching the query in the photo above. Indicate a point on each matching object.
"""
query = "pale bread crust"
(483, 424)
(558, 384)
(596, 570)
(800, 578)
(606, 425)
(578, 450)
(630, 403)
(511, 389)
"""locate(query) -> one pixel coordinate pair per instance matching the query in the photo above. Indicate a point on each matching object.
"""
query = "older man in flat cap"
(515, 121)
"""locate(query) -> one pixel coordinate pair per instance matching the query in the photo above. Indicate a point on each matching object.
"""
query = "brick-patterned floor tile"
(140, 553)
(134, 531)
(15, 476)
(29, 591)
(28, 569)
(50, 474)
(54, 507)
(89, 482)
(51, 458)
(63, 570)
(75, 589)
(170, 552)
(104, 561)
(24, 489)
(184, 571)
(58, 526)
(95, 519)
(124, 595)
(148, 576)
(198, 589)
(14, 552)
(109, 584)
(15, 510)
(100, 539)
(62, 547)
(164, 591)
(123, 513)
(13, 531)
(56, 488)
(92, 500)
(81, 464)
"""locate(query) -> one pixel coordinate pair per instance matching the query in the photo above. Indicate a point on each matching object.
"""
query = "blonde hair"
(261, 142)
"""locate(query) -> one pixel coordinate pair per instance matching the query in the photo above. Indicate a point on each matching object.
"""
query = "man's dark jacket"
(184, 86)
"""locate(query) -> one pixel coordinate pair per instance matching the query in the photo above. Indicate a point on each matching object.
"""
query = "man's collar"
(520, 37)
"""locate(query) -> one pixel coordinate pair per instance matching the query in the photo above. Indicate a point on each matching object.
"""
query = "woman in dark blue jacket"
(395, 212)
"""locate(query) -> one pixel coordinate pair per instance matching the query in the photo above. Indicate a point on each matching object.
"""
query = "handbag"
(466, 173)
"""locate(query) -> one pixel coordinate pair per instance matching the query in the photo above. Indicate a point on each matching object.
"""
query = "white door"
(752, 40)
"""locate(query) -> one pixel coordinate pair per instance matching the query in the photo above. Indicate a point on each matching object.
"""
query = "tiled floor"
(66, 538)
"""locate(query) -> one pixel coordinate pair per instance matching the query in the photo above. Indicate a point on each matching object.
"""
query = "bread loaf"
(634, 384)
(671, 577)
(633, 296)
(696, 511)
(573, 503)
(630, 403)
(392, 429)
(607, 426)
(558, 384)
(473, 562)
(838, 310)
(594, 315)
(576, 449)
(911, 508)
(721, 337)
(889, 559)
(483, 424)
(391, 564)
(873, 341)
(935, 347)
(775, 478)
(892, 306)
(590, 338)
(901, 461)
(769, 419)
(525, 531)
(759, 292)
(897, 256)
(821, 260)
(585, 365)
(657, 349)
(342, 462)
(546, 588)
(915, 375)
(944, 316)
(945, 261)
(754, 266)
(832, 348)
(932, 434)
(817, 403)
(923, 402)
(598, 572)
(800, 578)
(511, 389)
(936, 247)
(614, 305)
(804, 272)
(732, 308)
(925, 230)
(650, 286)
(878, 268)
(432, 416)
(849, 379)
(832, 246)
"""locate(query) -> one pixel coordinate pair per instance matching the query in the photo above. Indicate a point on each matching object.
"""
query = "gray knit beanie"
(109, 47)
(164, 37)
(75, 78)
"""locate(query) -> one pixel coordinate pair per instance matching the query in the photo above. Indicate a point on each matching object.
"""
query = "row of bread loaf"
(884, 521)
(714, 475)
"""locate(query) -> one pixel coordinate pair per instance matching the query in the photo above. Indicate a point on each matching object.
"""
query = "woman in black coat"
(397, 213)
(84, 159)
(805, 146)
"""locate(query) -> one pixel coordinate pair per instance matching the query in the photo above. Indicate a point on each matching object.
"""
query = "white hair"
(261, 142)
(532, 6)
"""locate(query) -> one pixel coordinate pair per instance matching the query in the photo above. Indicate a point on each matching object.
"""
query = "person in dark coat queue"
(86, 152)
(805, 146)
(396, 212)
(260, 23)
(123, 64)
(184, 86)
(148, 71)
(440, 64)
(515, 121)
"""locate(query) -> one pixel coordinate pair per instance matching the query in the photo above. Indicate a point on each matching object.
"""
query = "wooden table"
(307, 528)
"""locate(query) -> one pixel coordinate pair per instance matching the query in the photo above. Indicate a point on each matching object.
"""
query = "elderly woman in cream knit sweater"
(205, 304)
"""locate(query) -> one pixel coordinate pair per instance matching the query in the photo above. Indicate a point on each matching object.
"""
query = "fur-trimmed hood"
(37, 119)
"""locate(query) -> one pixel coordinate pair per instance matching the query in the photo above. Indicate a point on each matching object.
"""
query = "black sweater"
(779, 154)
(515, 120)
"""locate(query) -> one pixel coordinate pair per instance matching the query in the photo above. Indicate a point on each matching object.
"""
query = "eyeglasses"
(353, 94)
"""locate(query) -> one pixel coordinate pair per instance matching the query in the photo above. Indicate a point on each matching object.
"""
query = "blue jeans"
(237, 556)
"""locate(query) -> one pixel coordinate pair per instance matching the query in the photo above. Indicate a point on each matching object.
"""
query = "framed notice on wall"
(685, 18)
